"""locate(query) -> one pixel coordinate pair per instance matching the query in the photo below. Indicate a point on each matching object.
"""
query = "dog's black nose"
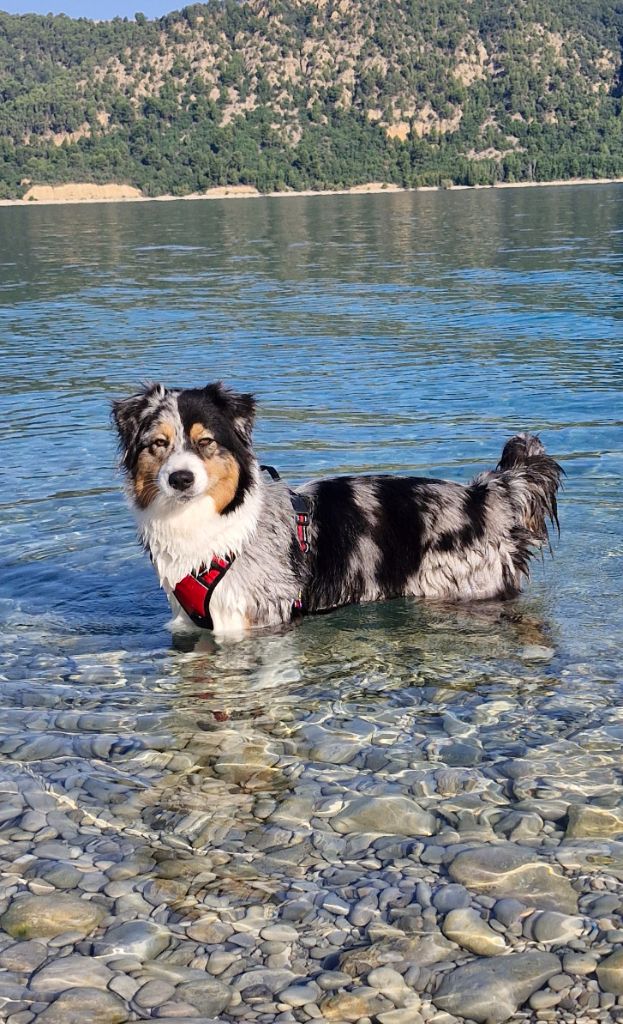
(181, 479)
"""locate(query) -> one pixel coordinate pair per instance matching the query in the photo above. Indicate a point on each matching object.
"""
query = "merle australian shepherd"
(235, 549)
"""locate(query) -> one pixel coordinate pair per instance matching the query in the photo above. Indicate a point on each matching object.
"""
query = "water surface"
(408, 333)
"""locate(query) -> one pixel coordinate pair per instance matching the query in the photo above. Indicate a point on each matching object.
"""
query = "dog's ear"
(239, 408)
(128, 413)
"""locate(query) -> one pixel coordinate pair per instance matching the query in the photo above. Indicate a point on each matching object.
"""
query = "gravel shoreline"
(455, 858)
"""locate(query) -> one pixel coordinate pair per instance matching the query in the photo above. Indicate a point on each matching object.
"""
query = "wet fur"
(372, 537)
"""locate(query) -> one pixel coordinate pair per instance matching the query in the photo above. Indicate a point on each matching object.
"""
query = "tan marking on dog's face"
(222, 469)
(163, 429)
(145, 486)
(198, 432)
(224, 475)
(150, 459)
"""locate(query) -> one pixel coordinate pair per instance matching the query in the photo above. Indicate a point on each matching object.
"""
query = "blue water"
(393, 333)
(408, 332)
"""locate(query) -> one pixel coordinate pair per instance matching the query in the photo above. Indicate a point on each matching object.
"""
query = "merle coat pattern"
(197, 491)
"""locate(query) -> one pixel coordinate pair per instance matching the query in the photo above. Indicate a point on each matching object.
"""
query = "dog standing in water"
(234, 550)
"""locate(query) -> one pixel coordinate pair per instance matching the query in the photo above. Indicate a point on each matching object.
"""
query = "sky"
(99, 9)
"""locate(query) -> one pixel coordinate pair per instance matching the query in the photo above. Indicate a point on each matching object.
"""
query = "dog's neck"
(183, 538)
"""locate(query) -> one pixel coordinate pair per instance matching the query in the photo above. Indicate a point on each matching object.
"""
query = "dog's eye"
(206, 442)
(158, 444)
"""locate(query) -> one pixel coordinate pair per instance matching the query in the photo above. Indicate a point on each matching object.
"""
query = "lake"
(392, 809)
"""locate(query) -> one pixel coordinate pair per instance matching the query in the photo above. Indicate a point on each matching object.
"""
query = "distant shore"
(82, 192)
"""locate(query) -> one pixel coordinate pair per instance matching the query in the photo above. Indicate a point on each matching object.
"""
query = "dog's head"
(178, 446)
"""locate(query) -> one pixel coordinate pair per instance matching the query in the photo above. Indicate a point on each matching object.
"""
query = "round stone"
(78, 1005)
(279, 933)
(544, 999)
(551, 928)
(333, 751)
(23, 957)
(350, 1006)
(467, 928)
(154, 993)
(386, 815)
(63, 876)
(383, 978)
(505, 870)
(609, 903)
(560, 982)
(334, 904)
(71, 972)
(43, 917)
(409, 1015)
(419, 949)
(451, 897)
(330, 980)
(210, 930)
(274, 979)
(125, 986)
(610, 973)
(579, 963)
(299, 995)
(220, 960)
(586, 821)
(390, 983)
(508, 911)
(210, 996)
(461, 754)
(492, 990)
(143, 939)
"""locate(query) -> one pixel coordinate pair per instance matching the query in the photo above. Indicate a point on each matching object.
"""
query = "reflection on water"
(398, 332)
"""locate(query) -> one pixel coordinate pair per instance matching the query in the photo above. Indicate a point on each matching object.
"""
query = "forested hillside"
(294, 94)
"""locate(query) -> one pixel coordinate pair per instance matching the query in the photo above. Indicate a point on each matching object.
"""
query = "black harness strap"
(301, 505)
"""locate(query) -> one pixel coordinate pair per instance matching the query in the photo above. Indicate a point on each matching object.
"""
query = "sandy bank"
(375, 186)
(224, 192)
(82, 192)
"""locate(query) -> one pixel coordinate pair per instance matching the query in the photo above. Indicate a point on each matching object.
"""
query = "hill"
(297, 94)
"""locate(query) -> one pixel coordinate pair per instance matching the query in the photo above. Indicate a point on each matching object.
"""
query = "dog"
(234, 549)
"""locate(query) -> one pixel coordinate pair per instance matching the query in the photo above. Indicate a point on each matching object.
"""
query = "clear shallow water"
(387, 333)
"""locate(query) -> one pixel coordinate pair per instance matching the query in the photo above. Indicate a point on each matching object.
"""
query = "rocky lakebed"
(454, 854)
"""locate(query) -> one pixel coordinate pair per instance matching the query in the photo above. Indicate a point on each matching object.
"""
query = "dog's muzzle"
(181, 479)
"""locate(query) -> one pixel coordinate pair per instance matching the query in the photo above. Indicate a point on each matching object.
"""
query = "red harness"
(196, 589)
(194, 592)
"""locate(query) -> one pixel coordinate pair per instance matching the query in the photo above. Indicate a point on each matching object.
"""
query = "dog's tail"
(525, 456)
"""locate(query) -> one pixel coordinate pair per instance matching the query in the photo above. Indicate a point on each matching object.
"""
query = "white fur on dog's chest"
(189, 536)
(181, 540)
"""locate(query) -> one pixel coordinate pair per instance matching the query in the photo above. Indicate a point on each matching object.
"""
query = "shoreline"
(247, 192)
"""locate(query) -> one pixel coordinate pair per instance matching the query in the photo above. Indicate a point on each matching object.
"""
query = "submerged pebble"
(509, 870)
(36, 917)
(384, 814)
(494, 989)
(467, 928)
(71, 972)
(77, 1005)
(610, 973)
